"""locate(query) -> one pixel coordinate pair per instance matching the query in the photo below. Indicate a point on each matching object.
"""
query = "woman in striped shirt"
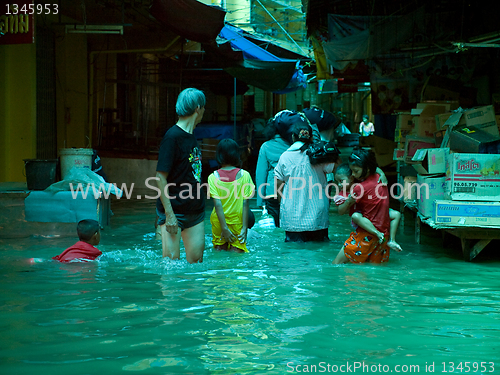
(301, 188)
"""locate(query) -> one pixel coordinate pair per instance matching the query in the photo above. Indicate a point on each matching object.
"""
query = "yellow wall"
(18, 102)
(17, 110)
(72, 91)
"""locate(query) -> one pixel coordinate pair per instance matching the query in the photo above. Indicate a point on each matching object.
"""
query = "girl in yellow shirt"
(230, 188)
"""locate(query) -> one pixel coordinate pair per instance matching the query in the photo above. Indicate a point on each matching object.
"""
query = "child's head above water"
(228, 153)
(362, 163)
(89, 231)
(343, 175)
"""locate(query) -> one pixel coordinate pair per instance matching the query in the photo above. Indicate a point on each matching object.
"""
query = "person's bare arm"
(242, 237)
(344, 207)
(171, 223)
(225, 232)
(383, 178)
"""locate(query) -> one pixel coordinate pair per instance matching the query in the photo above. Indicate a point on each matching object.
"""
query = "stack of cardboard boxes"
(457, 157)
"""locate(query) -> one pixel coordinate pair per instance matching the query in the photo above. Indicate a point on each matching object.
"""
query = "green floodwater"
(280, 309)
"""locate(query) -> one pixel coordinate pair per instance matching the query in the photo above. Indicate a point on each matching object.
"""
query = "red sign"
(17, 22)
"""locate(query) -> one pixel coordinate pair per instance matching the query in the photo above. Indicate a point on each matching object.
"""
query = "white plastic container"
(266, 220)
(75, 158)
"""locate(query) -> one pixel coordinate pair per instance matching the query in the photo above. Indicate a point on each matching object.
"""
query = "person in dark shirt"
(84, 250)
(181, 205)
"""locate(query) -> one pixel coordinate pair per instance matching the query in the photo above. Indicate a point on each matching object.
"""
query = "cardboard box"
(404, 126)
(400, 135)
(468, 214)
(438, 137)
(430, 160)
(474, 141)
(425, 123)
(404, 121)
(441, 120)
(475, 118)
(429, 189)
(410, 188)
(414, 143)
(481, 118)
(473, 177)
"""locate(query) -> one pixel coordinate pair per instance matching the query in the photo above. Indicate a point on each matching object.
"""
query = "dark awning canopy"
(239, 53)
(189, 18)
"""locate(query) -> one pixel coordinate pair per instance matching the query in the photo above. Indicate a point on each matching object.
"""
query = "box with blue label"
(467, 214)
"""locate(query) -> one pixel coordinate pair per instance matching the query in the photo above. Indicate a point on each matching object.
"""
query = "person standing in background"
(279, 135)
(366, 127)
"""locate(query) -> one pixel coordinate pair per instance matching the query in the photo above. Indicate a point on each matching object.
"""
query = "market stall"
(449, 169)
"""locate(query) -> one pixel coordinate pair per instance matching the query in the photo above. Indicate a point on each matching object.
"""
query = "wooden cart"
(473, 239)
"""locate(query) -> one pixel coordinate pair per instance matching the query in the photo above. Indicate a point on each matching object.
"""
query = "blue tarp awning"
(280, 76)
(249, 49)
(234, 49)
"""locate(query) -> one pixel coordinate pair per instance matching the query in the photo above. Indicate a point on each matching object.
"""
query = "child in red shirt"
(344, 179)
(369, 208)
(90, 236)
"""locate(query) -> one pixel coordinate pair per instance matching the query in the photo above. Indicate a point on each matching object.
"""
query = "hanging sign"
(17, 22)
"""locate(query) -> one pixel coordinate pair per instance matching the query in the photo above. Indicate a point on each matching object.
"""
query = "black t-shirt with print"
(180, 157)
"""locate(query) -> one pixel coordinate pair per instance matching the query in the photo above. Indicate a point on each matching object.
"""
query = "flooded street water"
(282, 308)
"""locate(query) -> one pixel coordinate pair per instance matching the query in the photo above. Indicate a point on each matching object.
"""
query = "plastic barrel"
(40, 174)
(75, 157)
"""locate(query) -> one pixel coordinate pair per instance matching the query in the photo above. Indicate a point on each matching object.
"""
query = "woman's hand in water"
(228, 235)
(242, 237)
